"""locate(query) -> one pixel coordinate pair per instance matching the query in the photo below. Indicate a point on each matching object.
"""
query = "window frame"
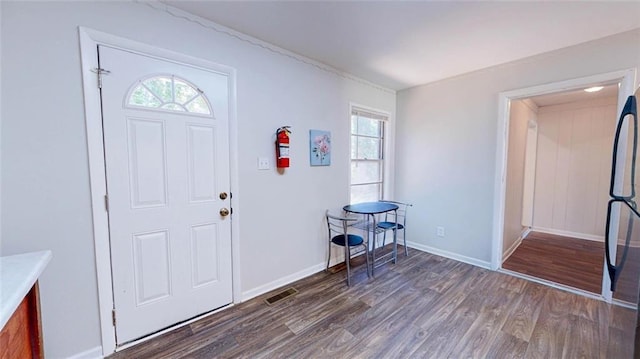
(140, 82)
(384, 148)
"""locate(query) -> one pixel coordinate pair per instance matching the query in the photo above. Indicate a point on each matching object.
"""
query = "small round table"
(371, 209)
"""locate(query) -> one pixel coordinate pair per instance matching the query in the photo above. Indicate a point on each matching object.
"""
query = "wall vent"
(280, 296)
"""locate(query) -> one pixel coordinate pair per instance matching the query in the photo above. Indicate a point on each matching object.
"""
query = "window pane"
(368, 148)
(142, 97)
(169, 93)
(199, 105)
(173, 106)
(367, 157)
(184, 92)
(365, 193)
(367, 126)
(161, 87)
(365, 172)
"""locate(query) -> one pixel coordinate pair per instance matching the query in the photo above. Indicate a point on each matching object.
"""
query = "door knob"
(224, 212)
(223, 195)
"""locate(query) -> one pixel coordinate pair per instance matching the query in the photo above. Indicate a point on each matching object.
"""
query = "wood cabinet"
(20, 328)
(21, 337)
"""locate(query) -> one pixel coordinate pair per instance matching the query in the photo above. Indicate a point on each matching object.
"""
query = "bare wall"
(1, 26)
(519, 119)
(573, 167)
(45, 177)
(446, 160)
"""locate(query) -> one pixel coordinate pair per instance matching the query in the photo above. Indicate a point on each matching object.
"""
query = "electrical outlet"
(440, 231)
(264, 163)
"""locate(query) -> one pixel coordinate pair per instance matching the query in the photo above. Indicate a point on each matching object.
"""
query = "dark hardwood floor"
(573, 262)
(425, 306)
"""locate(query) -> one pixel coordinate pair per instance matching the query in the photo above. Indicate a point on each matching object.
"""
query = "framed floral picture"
(320, 147)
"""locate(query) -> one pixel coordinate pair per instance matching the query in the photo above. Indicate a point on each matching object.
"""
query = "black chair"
(338, 235)
(395, 221)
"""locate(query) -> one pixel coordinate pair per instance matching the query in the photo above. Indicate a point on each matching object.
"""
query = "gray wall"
(45, 177)
(446, 160)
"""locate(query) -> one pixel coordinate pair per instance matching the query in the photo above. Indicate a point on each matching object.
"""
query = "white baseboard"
(515, 244)
(511, 249)
(93, 353)
(549, 283)
(455, 256)
(252, 293)
(625, 304)
(559, 232)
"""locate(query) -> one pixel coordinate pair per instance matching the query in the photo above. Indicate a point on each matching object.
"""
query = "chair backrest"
(337, 225)
(401, 212)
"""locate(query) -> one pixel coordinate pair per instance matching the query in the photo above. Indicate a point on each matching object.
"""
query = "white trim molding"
(280, 282)
(455, 256)
(566, 288)
(581, 292)
(208, 24)
(89, 41)
(626, 79)
(516, 244)
(511, 249)
(93, 353)
(559, 232)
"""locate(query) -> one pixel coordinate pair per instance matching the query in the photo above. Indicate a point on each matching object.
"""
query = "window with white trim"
(367, 156)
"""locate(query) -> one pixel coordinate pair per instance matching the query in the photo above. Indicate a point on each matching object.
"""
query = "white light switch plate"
(264, 163)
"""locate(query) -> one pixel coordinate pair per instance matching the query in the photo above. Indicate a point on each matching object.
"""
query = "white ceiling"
(400, 44)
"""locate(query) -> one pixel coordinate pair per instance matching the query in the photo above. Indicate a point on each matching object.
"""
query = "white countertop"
(18, 273)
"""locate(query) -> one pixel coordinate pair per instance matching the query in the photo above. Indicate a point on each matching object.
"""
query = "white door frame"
(626, 78)
(89, 40)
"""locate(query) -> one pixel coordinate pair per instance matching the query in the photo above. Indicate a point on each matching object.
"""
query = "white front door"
(167, 162)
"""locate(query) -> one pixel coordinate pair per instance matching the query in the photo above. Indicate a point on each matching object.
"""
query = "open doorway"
(521, 221)
(558, 168)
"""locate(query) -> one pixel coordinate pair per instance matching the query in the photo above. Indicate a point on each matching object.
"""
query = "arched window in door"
(168, 93)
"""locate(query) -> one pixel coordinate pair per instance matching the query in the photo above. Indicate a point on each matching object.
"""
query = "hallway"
(577, 263)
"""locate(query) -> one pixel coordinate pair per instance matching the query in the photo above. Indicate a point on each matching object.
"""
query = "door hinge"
(100, 71)
(106, 203)
(113, 317)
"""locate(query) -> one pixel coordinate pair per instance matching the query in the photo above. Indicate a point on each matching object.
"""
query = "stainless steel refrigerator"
(622, 234)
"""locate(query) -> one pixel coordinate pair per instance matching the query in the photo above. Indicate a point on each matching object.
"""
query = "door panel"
(204, 247)
(152, 268)
(202, 152)
(147, 170)
(170, 247)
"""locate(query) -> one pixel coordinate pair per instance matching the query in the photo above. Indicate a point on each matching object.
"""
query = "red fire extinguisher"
(282, 146)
